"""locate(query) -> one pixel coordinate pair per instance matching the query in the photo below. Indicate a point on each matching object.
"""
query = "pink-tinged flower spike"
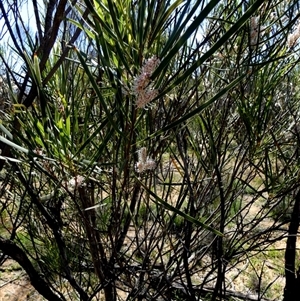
(293, 37)
(150, 65)
(142, 87)
(254, 30)
(140, 83)
(146, 97)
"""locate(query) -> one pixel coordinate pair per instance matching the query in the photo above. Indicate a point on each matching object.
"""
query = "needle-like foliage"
(148, 148)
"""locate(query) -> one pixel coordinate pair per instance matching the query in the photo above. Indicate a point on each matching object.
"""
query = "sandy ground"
(14, 284)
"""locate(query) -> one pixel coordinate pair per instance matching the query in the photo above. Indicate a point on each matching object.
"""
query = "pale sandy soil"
(14, 284)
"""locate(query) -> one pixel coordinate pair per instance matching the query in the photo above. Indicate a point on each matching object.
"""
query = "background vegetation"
(149, 149)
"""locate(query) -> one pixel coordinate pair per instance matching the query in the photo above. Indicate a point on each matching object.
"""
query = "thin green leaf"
(168, 206)
(209, 53)
(197, 110)
(98, 92)
(14, 145)
(189, 31)
(6, 131)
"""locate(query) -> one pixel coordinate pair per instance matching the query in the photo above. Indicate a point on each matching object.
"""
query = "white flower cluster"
(144, 162)
(142, 86)
(294, 36)
(75, 182)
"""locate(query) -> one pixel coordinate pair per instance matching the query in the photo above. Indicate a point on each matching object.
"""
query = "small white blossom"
(144, 163)
(140, 167)
(38, 151)
(76, 182)
(150, 164)
(142, 155)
